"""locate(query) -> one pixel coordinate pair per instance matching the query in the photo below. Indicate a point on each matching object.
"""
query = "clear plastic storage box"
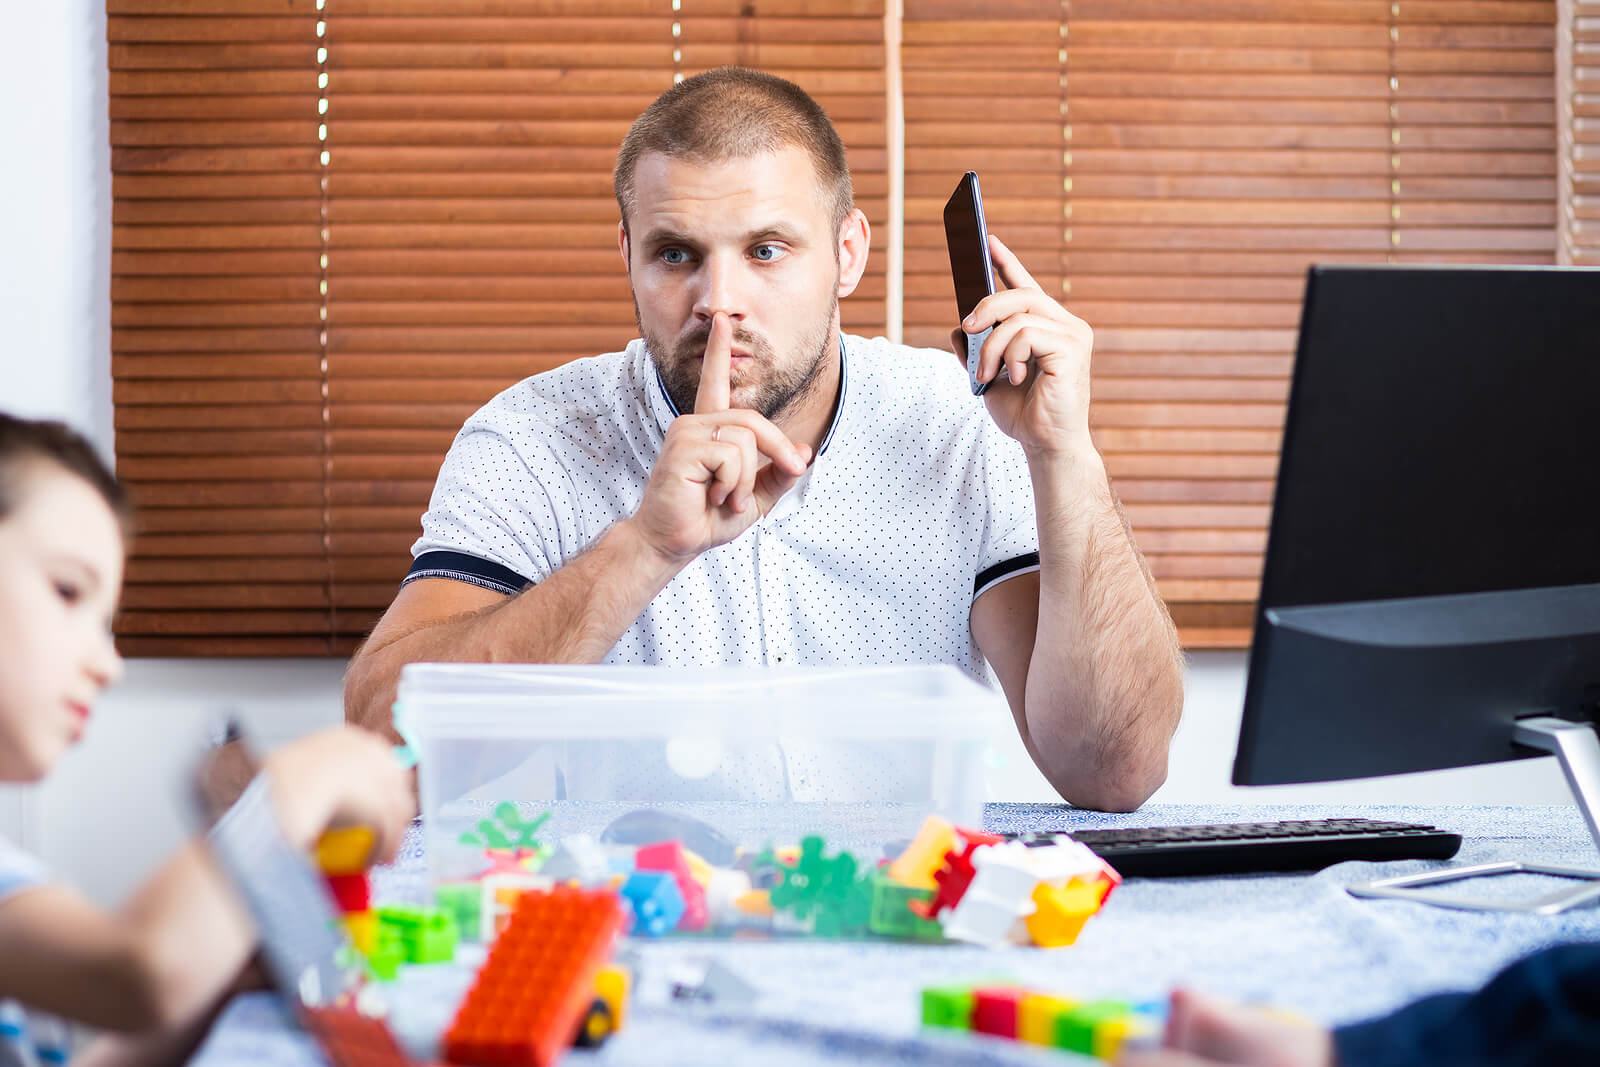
(757, 757)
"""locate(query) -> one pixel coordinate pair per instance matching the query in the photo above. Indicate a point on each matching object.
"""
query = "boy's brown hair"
(26, 440)
(734, 113)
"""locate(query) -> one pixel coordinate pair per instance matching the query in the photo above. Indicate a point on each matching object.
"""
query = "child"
(163, 964)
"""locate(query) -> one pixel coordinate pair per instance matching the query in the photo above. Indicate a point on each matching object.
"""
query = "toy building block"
(951, 880)
(915, 866)
(995, 1010)
(655, 900)
(668, 856)
(508, 830)
(362, 926)
(383, 962)
(352, 1039)
(578, 858)
(426, 935)
(947, 1006)
(539, 980)
(999, 894)
(1075, 1029)
(345, 850)
(823, 892)
(499, 894)
(352, 892)
(1036, 1017)
(891, 913)
(1113, 1035)
(1060, 912)
(725, 889)
(613, 985)
(464, 900)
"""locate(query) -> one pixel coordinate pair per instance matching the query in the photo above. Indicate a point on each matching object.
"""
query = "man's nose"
(721, 287)
(105, 663)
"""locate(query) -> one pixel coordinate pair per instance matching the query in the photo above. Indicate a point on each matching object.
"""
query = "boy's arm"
(163, 960)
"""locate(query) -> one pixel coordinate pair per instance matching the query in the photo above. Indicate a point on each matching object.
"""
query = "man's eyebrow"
(659, 238)
(779, 232)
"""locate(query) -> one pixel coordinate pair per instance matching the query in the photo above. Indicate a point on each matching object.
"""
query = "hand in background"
(341, 777)
(1202, 1032)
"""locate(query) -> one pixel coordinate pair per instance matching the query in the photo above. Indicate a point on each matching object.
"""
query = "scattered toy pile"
(947, 884)
(1099, 1028)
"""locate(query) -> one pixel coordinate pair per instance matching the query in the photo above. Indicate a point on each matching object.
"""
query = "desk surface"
(1297, 941)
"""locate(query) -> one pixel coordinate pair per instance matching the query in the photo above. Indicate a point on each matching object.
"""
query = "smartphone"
(973, 273)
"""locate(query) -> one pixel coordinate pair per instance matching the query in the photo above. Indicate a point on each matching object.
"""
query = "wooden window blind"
(1578, 125)
(340, 227)
(217, 385)
(1205, 153)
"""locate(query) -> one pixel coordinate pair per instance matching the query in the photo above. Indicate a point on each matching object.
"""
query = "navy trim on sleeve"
(1001, 571)
(462, 567)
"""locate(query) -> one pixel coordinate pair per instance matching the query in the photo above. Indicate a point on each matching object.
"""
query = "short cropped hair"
(25, 441)
(734, 113)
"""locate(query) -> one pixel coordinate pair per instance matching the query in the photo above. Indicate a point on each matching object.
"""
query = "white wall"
(115, 805)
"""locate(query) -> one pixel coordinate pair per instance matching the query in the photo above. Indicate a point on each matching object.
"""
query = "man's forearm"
(574, 616)
(1105, 681)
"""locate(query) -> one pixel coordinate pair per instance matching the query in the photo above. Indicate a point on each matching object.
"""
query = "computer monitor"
(1431, 590)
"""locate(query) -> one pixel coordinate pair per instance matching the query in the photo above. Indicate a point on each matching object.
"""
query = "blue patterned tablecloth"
(1297, 941)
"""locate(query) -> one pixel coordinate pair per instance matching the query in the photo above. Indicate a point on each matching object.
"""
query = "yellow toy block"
(611, 985)
(345, 851)
(755, 902)
(1060, 912)
(1036, 1018)
(699, 869)
(1111, 1034)
(363, 929)
(915, 866)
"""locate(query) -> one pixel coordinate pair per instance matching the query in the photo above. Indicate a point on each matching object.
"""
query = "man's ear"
(622, 246)
(855, 239)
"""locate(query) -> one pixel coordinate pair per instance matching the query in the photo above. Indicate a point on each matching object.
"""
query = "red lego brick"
(352, 891)
(350, 1039)
(538, 981)
(995, 1010)
(668, 856)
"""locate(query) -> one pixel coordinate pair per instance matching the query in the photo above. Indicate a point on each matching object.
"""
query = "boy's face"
(754, 238)
(60, 574)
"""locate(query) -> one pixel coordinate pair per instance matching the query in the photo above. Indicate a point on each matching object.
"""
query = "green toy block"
(464, 900)
(890, 915)
(384, 964)
(947, 1006)
(1075, 1028)
(427, 935)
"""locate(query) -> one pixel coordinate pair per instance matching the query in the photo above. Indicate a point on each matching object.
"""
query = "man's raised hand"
(721, 468)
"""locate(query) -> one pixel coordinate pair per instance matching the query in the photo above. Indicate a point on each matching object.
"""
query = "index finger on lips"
(716, 367)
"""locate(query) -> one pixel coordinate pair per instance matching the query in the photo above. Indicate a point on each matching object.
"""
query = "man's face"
(753, 237)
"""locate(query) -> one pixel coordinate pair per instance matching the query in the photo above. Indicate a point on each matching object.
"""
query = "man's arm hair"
(574, 616)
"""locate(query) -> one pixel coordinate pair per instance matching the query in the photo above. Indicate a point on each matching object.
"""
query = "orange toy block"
(538, 981)
(1060, 912)
(915, 866)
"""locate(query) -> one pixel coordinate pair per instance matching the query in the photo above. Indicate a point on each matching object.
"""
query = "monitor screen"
(1433, 564)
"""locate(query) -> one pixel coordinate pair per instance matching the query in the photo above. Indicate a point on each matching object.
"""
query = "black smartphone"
(973, 273)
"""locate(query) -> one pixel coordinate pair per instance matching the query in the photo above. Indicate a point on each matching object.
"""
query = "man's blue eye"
(766, 253)
(675, 256)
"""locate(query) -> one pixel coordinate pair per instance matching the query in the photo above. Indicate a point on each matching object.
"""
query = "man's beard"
(781, 389)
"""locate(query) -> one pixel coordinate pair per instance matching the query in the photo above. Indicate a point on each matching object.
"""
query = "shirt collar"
(665, 410)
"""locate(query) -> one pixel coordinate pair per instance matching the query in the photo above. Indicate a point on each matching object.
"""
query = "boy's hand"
(341, 777)
(1202, 1032)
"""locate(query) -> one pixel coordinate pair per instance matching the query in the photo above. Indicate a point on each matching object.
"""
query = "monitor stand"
(1577, 746)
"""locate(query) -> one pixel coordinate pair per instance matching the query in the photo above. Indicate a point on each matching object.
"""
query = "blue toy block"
(655, 900)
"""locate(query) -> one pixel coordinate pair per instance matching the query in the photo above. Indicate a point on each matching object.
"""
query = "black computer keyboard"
(1295, 845)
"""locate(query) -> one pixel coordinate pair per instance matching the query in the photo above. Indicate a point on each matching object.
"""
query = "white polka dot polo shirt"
(915, 504)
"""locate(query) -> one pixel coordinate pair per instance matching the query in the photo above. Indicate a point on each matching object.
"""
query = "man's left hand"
(1045, 349)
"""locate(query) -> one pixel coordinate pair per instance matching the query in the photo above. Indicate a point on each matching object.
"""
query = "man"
(744, 486)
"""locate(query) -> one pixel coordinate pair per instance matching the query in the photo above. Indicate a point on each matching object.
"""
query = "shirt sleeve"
(1544, 1009)
(18, 870)
(1011, 529)
(492, 520)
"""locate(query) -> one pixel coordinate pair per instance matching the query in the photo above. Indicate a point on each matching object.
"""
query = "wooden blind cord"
(325, 441)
